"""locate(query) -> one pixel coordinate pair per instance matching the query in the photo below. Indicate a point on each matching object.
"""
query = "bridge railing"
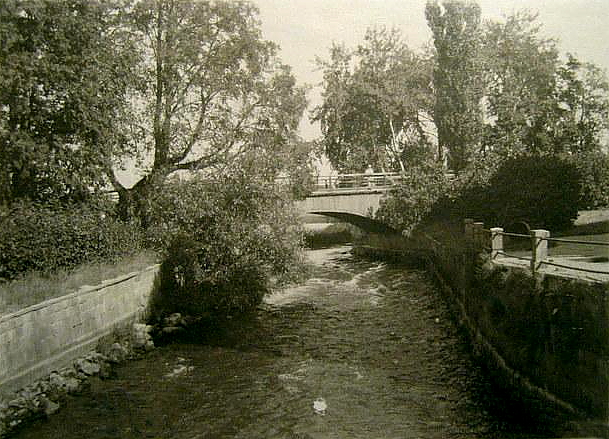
(357, 181)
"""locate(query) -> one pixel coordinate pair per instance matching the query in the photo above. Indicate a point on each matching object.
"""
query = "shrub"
(224, 240)
(50, 237)
(542, 191)
(413, 198)
(594, 184)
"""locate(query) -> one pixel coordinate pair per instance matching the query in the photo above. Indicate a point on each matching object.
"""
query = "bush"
(224, 240)
(187, 287)
(50, 237)
(542, 191)
(594, 184)
(414, 197)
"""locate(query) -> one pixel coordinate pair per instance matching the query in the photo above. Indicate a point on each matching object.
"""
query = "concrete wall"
(50, 335)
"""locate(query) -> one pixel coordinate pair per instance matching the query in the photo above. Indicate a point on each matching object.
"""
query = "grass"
(37, 287)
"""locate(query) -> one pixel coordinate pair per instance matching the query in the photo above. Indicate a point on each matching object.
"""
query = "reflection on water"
(359, 350)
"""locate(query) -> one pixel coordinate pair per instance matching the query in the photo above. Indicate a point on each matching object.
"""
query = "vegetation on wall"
(46, 238)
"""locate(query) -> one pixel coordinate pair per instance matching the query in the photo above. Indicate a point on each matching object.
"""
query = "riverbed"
(359, 350)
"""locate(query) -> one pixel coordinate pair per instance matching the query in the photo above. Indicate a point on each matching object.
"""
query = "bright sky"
(306, 28)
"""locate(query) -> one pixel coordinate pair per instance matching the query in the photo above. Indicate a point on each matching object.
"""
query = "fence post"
(539, 248)
(478, 235)
(496, 241)
(468, 229)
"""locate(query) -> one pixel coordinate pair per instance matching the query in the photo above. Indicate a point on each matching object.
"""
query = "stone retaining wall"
(50, 335)
(545, 337)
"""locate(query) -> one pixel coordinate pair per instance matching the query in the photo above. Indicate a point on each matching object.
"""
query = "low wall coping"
(83, 290)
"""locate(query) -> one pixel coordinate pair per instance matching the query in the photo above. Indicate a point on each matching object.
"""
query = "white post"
(539, 248)
(496, 241)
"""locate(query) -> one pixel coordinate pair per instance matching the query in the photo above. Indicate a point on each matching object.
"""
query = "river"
(359, 350)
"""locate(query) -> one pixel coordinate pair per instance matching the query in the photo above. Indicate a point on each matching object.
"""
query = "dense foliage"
(593, 168)
(46, 238)
(542, 191)
(484, 88)
(376, 104)
(457, 77)
(414, 197)
(87, 86)
(209, 90)
(227, 238)
(63, 78)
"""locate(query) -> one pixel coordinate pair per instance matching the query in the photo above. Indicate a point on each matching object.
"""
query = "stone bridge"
(351, 198)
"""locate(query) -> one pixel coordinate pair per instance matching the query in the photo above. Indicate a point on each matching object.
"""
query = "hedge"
(47, 238)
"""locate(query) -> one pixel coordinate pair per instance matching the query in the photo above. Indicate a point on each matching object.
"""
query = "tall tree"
(537, 103)
(583, 94)
(520, 71)
(63, 76)
(457, 79)
(376, 103)
(211, 90)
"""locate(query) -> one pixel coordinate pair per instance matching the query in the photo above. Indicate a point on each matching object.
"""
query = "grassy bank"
(38, 287)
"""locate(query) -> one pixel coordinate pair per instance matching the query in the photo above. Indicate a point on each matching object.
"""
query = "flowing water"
(359, 350)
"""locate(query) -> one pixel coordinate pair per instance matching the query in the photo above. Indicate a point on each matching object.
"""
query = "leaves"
(372, 97)
(457, 78)
(61, 83)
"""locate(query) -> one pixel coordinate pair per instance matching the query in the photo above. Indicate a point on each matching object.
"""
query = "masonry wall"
(50, 335)
(546, 337)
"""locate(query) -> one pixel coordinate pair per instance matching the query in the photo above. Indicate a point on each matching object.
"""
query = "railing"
(538, 258)
(356, 181)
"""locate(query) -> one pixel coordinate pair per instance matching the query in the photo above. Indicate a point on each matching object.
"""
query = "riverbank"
(544, 341)
(361, 349)
(44, 397)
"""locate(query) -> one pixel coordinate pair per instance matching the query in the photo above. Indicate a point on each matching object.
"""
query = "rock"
(48, 407)
(117, 353)
(172, 329)
(174, 319)
(18, 403)
(106, 370)
(87, 367)
(71, 385)
(141, 338)
(56, 380)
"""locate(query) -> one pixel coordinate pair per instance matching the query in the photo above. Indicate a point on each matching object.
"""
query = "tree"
(210, 91)
(376, 103)
(225, 240)
(520, 72)
(457, 79)
(63, 76)
(536, 103)
(583, 95)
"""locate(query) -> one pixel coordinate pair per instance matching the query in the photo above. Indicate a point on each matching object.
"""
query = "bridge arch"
(363, 222)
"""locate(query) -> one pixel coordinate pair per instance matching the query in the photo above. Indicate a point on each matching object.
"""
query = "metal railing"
(356, 181)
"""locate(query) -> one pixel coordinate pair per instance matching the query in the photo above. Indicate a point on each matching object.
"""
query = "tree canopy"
(377, 101)
(211, 90)
(457, 77)
(175, 85)
(63, 76)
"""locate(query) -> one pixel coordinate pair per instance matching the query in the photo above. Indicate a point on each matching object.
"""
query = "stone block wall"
(50, 335)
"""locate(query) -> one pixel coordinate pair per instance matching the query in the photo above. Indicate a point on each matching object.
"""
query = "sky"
(305, 29)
